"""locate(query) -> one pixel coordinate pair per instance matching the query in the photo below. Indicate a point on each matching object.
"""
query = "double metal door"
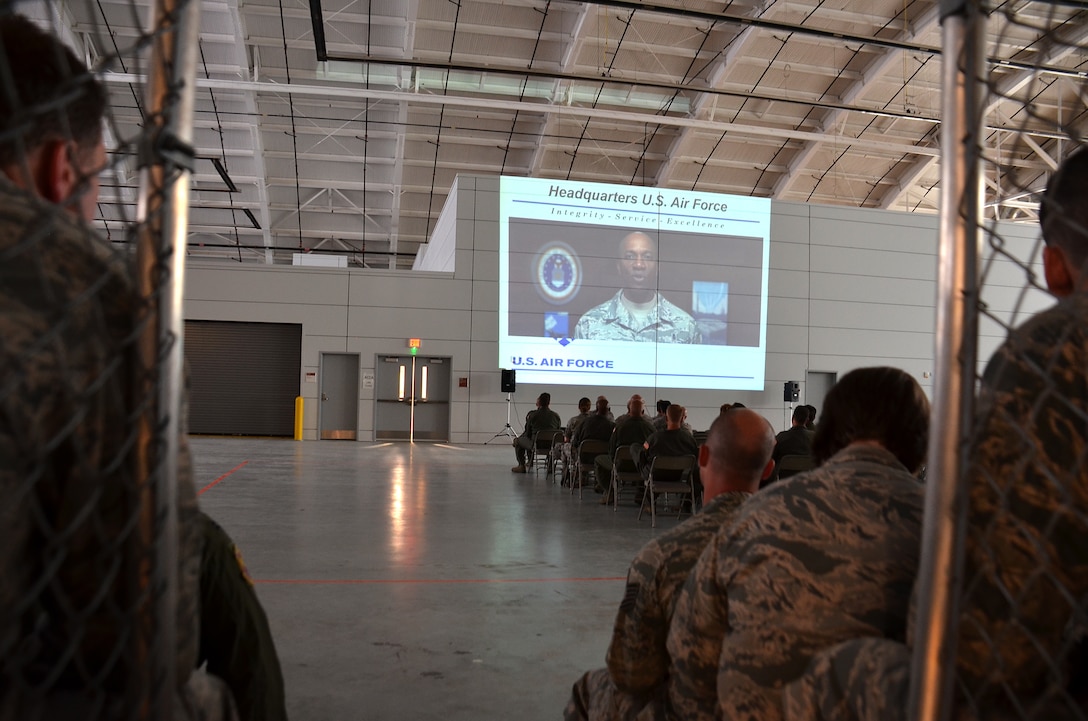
(412, 398)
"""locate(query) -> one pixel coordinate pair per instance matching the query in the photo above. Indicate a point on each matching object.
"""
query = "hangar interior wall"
(848, 288)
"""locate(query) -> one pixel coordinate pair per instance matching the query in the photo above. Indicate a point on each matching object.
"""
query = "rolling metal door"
(244, 377)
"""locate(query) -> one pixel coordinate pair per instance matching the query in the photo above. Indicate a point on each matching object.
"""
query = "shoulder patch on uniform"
(630, 594)
(242, 566)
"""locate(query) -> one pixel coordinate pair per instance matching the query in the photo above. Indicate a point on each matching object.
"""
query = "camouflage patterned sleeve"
(636, 657)
(866, 679)
(1026, 563)
(63, 394)
(695, 639)
(67, 314)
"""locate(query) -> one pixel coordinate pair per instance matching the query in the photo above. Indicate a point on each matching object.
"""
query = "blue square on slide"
(556, 324)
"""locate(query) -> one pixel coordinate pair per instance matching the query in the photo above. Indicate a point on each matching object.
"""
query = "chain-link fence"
(100, 552)
(1003, 587)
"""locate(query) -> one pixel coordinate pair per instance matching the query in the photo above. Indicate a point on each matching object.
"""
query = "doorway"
(412, 398)
(338, 409)
(817, 386)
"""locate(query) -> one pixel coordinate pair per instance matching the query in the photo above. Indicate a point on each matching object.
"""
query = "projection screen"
(611, 285)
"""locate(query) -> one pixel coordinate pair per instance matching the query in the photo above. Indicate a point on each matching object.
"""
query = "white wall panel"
(891, 346)
(259, 283)
(886, 316)
(900, 264)
(859, 287)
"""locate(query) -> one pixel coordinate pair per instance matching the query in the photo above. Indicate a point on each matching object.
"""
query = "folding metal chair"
(585, 470)
(557, 456)
(669, 474)
(542, 448)
(624, 474)
(793, 464)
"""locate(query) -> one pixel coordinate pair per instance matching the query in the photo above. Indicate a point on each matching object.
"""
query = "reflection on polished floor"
(416, 582)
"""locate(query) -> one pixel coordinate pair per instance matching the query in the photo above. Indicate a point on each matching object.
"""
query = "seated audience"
(1021, 640)
(585, 407)
(736, 456)
(823, 557)
(632, 427)
(563, 451)
(660, 421)
(673, 441)
(642, 413)
(797, 441)
(598, 427)
(810, 423)
(541, 419)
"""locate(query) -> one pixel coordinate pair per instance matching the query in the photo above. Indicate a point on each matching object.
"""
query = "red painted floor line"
(377, 581)
(217, 480)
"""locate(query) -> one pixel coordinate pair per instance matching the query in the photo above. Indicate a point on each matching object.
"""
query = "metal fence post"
(933, 662)
(166, 162)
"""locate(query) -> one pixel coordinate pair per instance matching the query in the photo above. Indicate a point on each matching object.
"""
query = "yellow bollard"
(298, 417)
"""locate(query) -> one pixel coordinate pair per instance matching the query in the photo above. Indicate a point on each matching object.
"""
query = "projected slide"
(610, 285)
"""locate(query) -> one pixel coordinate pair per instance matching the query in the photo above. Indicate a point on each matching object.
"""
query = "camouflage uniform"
(1027, 511)
(564, 451)
(666, 323)
(235, 640)
(637, 660)
(541, 419)
(820, 558)
(628, 430)
(1027, 524)
(67, 312)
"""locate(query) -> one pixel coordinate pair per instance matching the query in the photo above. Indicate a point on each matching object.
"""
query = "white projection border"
(559, 242)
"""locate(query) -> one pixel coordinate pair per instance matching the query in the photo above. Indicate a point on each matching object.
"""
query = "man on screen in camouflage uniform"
(638, 312)
(822, 557)
(735, 457)
(1027, 517)
(67, 368)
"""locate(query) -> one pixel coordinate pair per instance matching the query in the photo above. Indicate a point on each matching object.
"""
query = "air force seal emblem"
(558, 273)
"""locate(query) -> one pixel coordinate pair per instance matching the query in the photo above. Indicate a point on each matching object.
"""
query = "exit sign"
(415, 343)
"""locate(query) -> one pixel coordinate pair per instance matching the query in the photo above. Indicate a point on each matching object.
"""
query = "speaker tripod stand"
(507, 430)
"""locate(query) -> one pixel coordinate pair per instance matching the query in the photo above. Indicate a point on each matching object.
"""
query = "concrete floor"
(421, 582)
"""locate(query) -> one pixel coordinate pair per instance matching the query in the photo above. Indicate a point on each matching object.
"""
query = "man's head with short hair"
(635, 407)
(602, 406)
(800, 416)
(662, 406)
(674, 415)
(1063, 215)
(737, 453)
(811, 415)
(857, 410)
(544, 400)
(51, 113)
(637, 266)
(584, 405)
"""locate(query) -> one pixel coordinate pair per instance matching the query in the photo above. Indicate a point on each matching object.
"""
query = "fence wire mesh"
(100, 558)
(1021, 602)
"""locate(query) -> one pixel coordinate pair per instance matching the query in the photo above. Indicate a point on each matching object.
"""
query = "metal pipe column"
(940, 567)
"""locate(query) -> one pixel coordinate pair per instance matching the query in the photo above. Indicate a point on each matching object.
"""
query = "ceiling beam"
(640, 119)
(875, 71)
